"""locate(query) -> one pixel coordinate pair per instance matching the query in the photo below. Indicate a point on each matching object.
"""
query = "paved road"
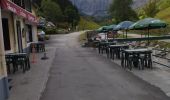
(82, 74)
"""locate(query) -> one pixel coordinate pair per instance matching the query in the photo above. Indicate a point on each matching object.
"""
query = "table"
(139, 58)
(37, 47)
(17, 59)
(103, 46)
(96, 43)
(116, 50)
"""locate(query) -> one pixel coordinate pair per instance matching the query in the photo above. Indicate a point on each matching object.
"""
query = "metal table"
(17, 59)
(139, 58)
(116, 50)
(37, 47)
(103, 46)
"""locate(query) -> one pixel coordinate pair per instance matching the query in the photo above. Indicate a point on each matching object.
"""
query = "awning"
(8, 5)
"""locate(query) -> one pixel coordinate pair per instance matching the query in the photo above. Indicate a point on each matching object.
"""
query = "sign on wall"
(8, 5)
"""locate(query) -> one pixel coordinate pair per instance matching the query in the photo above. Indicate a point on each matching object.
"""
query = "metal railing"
(162, 55)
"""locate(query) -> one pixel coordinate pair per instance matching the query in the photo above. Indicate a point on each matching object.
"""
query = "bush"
(47, 37)
(53, 31)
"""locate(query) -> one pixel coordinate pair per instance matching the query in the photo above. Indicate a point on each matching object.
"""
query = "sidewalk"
(159, 76)
(30, 85)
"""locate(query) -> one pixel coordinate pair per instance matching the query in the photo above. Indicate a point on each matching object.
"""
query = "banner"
(8, 5)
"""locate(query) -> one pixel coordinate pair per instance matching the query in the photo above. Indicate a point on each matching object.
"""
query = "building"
(18, 27)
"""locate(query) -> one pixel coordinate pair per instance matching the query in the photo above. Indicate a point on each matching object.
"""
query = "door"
(5, 26)
(19, 36)
(30, 33)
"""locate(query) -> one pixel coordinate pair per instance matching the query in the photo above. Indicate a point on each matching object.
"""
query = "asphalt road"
(82, 74)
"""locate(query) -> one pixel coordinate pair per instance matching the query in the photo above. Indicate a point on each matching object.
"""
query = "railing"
(162, 55)
(144, 38)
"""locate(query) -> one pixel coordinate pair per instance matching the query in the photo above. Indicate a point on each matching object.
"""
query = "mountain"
(139, 3)
(99, 7)
(92, 7)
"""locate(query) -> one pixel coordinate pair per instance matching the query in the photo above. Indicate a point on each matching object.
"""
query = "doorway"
(19, 36)
(29, 34)
(6, 36)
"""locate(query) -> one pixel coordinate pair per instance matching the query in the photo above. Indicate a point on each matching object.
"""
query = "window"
(18, 2)
(26, 4)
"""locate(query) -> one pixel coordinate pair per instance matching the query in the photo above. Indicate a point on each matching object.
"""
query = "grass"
(85, 24)
(82, 37)
(164, 15)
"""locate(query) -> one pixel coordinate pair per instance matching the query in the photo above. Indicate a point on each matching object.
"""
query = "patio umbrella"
(101, 29)
(147, 24)
(124, 26)
(110, 27)
(105, 29)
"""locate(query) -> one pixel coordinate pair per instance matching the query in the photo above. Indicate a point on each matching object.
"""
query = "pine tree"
(51, 11)
(151, 9)
(121, 10)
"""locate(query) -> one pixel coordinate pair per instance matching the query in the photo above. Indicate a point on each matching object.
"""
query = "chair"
(9, 61)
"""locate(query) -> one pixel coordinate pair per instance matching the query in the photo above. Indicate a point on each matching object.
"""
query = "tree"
(72, 16)
(63, 4)
(163, 4)
(121, 10)
(51, 11)
(151, 8)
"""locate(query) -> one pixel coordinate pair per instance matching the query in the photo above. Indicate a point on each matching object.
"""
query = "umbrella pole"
(126, 34)
(123, 34)
(105, 37)
(148, 36)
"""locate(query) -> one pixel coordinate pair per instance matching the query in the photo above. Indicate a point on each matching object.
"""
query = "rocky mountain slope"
(99, 7)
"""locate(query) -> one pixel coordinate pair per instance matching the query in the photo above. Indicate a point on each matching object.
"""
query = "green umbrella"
(110, 27)
(106, 28)
(147, 24)
(101, 29)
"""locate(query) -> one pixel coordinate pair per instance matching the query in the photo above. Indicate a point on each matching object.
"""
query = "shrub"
(51, 31)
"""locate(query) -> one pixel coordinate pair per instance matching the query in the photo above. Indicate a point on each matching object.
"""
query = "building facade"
(18, 27)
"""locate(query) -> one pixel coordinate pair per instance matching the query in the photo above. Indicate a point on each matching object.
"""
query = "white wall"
(3, 71)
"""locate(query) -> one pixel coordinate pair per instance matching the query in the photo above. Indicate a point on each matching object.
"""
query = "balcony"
(25, 4)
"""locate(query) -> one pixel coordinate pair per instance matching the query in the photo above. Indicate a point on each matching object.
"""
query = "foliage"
(53, 31)
(70, 12)
(106, 22)
(51, 11)
(82, 37)
(141, 14)
(72, 16)
(163, 4)
(85, 24)
(121, 10)
(59, 12)
(164, 15)
(151, 8)
(64, 4)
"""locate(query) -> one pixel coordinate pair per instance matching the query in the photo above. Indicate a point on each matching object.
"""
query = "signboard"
(6, 4)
